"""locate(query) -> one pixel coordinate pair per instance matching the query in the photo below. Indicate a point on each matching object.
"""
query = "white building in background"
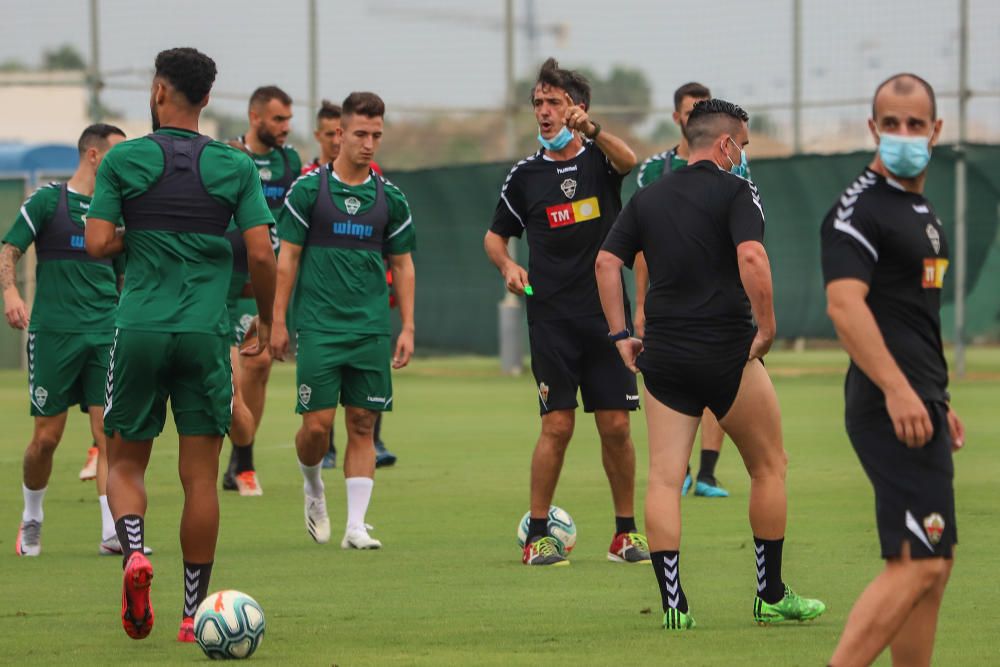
(53, 107)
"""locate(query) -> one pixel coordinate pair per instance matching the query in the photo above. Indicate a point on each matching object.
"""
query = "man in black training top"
(702, 232)
(566, 197)
(884, 259)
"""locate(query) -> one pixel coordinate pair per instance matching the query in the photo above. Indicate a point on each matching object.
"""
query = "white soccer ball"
(561, 527)
(228, 625)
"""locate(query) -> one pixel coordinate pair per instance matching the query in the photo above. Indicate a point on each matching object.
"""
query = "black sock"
(332, 448)
(770, 587)
(706, 472)
(244, 457)
(625, 524)
(196, 578)
(378, 428)
(537, 528)
(131, 534)
(666, 565)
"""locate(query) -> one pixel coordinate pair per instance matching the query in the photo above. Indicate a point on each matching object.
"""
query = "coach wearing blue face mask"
(884, 261)
(564, 199)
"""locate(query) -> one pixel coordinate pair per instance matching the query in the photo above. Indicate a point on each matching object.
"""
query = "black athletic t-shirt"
(567, 208)
(688, 224)
(892, 239)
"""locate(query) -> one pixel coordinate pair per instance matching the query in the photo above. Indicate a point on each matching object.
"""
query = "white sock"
(33, 504)
(107, 521)
(314, 481)
(359, 494)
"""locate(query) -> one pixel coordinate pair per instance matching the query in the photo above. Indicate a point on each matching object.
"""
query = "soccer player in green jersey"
(176, 191)
(650, 171)
(335, 224)
(69, 330)
(269, 114)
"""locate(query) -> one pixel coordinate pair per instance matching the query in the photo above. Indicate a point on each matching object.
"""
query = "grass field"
(448, 589)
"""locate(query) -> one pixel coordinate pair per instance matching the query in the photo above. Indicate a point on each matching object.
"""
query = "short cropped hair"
(96, 135)
(903, 83)
(188, 70)
(569, 80)
(363, 104)
(265, 94)
(694, 89)
(710, 118)
(328, 111)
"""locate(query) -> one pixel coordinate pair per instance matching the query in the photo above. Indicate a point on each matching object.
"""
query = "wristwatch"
(597, 130)
(621, 335)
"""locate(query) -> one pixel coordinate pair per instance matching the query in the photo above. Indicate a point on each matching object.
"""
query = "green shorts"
(66, 369)
(148, 367)
(240, 315)
(350, 369)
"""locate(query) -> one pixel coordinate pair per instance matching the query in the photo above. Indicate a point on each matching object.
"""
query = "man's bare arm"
(755, 273)
(859, 334)
(14, 308)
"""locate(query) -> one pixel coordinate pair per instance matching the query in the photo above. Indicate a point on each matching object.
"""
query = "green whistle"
(528, 291)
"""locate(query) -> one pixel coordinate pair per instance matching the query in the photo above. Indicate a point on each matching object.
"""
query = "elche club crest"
(568, 188)
(265, 173)
(305, 393)
(935, 238)
(352, 204)
(934, 527)
(543, 391)
(41, 395)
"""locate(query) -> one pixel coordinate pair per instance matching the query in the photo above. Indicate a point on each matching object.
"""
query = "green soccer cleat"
(792, 607)
(677, 620)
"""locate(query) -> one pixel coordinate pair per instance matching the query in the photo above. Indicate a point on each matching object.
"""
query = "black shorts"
(689, 380)
(914, 495)
(571, 354)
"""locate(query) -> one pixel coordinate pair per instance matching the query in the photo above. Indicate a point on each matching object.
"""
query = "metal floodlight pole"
(313, 58)
(961, 194)
(94, 73)
(509, 320)
(796, 76)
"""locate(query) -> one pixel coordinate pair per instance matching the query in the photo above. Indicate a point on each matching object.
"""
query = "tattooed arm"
(13, 306)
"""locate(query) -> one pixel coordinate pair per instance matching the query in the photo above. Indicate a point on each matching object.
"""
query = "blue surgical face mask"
(558, 142)
(904, 156)
(742, 169)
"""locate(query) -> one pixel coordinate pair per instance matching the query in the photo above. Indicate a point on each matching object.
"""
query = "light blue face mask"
(558, 142)
(904, 156)
(742, 169)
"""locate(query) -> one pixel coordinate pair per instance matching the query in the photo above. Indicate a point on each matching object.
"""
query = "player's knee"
(361, 424)
(773, 465)
(316, 429)
(557, 429)
(45, 441)
(928, 573)
(614, 430)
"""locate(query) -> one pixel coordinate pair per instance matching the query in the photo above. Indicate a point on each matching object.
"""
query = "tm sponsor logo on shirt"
(562, 215)
(353, 229)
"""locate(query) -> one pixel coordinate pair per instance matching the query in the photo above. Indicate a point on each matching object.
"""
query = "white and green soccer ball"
(229, 625)
(561, 527)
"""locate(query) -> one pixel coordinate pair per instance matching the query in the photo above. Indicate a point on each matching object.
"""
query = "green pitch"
(449, 589)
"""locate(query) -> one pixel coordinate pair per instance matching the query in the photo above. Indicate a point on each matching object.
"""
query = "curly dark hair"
(569, 80)
(710, 118)
(188, 70)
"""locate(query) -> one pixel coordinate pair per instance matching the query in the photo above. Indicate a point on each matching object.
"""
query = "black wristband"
(597, 130)
(621, 335)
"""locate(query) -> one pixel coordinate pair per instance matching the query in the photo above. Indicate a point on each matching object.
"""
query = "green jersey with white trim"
(343, 289)
(71, 296)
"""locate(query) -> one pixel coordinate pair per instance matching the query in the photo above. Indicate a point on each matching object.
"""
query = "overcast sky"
(449, 53)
